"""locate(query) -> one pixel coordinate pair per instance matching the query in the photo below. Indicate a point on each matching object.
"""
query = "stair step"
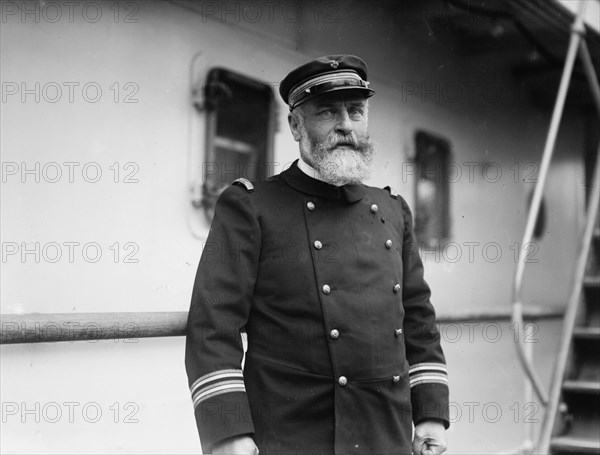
(581, 386)
(578, 445)
(589, 333)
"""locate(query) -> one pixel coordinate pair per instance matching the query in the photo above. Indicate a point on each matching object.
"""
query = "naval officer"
(323, 274)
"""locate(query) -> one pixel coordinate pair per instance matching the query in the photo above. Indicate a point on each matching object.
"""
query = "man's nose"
(344, 124)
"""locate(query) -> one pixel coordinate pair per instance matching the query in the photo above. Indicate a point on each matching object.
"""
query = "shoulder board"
(245, 183)
(392, 192)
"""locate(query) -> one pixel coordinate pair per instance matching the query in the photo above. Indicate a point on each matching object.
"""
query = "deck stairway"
(571, 423)
(576, 429)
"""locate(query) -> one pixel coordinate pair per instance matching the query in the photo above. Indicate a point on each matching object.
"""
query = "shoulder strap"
(245, 183)
(392, 192)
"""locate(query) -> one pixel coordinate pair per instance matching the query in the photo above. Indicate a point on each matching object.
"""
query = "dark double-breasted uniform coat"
(343, 352)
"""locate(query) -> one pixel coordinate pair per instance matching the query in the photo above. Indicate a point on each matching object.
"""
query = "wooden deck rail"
(54, 327)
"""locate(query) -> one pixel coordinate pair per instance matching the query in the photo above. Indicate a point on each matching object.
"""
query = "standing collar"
(298, 180)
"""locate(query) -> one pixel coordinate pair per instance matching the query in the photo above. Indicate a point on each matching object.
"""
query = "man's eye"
(326, 113)
(356, 113)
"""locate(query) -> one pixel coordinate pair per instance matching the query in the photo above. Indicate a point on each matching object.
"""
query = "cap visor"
(340, 90)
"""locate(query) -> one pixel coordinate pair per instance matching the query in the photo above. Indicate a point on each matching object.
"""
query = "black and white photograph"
(300, 227)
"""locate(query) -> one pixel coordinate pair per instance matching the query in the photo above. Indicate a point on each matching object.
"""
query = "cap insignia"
(334, 64)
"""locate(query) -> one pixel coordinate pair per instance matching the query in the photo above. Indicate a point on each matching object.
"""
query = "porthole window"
(432, 189)
(240, 114)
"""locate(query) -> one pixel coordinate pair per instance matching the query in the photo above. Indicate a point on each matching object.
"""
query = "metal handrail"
(577, 31)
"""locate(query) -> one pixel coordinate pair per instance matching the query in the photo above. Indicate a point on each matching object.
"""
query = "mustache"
(348, 140)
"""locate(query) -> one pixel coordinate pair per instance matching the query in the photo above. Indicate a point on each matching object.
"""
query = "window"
(240, 115)
(432, 189)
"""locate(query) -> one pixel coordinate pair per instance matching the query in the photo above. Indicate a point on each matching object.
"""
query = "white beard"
(338, 165)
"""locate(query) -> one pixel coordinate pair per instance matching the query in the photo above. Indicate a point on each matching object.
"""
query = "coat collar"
(298, 180)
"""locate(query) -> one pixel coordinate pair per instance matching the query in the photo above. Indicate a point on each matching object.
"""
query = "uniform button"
(374, 208)
(334, 334)
(396, 378)
(310, 206)
(396, 288)
(326, 289)
(398, 332)
(318, 245)
(342, 380)
(388, 244)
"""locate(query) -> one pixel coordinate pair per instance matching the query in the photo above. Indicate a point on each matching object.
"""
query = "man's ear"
(294, 127)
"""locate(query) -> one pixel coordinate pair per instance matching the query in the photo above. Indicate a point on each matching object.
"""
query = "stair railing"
(570, 314)
(550, 401)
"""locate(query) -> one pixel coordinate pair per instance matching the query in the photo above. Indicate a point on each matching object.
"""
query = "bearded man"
(323, 274)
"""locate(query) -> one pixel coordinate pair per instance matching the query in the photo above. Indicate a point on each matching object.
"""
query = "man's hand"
(238, 445)
(430, 438)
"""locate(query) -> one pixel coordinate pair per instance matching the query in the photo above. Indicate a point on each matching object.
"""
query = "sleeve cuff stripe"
(216, 385)
(429, 382)
(216, 376)
(428, 374)
(427, 367)
(428, 378)
(218, 390)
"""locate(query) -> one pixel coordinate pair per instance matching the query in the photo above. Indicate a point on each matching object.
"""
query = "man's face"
(333, 134)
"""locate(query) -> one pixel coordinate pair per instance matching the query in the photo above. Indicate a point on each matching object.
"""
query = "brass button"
(388, 244)
(374, 208)
(334, 334)
(398, 332)
(396, 288)
(310, 206)
(318, 245)
(326, 289)
(396, 378)
(342, 380)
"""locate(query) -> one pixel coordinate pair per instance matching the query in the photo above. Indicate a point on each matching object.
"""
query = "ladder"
(571, 422)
